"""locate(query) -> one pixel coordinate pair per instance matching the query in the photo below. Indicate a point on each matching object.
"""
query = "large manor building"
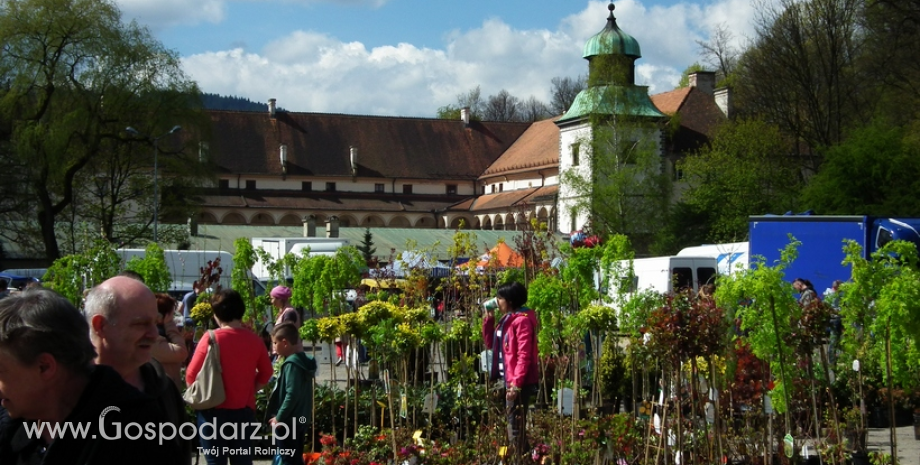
(288, 168)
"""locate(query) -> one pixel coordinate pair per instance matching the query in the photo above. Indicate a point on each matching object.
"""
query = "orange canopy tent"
(503, 255)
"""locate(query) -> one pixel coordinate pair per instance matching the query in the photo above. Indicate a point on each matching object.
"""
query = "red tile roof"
(671, 101)
(516, 197)
(537, 148)
(388, 147)
(698, 112)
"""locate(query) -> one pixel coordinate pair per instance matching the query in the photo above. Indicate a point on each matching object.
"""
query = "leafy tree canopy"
(745, 171)
(876, 171)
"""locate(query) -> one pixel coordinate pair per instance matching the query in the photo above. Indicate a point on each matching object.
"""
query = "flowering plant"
(202, 312)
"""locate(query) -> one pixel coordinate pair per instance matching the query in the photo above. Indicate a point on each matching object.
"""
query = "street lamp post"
(156, 154)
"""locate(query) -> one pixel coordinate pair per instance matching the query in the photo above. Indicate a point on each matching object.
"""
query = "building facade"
(287, 168)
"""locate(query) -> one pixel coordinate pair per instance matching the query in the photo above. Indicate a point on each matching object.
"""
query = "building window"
(451, 189)
(629, 153)
(223, 184)
(379, 188)
(483, 189)
(576, 148)
(493, 188)
(330, 187)
(501, 187)
(250, 184)
(407, 188)
(678, 174)
(306, 186)
(203, 150)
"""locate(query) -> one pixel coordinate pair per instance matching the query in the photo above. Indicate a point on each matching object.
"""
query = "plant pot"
(878, 418)
(856, 440)
(860, 458)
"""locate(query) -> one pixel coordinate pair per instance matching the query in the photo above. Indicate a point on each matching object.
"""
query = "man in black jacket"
(122, 314)
(63, 408)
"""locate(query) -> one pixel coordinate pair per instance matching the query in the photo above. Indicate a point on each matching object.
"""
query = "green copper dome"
(612, 41)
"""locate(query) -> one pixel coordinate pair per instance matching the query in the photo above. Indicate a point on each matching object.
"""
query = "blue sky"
(409, 57)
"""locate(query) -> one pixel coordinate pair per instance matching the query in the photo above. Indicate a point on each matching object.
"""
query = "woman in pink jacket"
(514, 358)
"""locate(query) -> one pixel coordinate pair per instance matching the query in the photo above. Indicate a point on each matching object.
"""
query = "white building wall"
(568, 197)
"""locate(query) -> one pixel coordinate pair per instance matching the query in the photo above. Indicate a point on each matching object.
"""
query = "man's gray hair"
(101, 300)
(38, 321)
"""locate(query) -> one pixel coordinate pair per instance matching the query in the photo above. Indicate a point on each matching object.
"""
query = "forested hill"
(220, 102)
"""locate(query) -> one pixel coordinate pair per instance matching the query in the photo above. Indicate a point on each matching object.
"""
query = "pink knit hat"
(281, 292)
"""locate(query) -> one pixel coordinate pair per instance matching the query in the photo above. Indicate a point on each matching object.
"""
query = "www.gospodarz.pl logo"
(162, 432)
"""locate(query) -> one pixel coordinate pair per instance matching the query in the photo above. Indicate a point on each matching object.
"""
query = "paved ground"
(908, 447)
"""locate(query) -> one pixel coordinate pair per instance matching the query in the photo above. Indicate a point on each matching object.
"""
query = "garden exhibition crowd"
(103, 384)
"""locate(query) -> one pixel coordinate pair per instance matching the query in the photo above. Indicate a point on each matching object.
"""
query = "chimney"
(332, 226)
(465, 116)
(723, 98)
(271, 107)
(309, 226)
(353, 153)
(704, 81)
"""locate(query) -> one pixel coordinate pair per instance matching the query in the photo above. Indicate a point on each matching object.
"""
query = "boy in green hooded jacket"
(291, 403)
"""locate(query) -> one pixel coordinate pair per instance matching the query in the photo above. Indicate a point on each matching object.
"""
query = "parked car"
(17, 282)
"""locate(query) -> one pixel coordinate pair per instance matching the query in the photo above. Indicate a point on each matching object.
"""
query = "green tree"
(472, 100)
(891, 56)
(685, 75)
(876, 171)
(564, 91)
(366, 247)
(152, 268)
(719, 54)
(74, 77)
(802, 73)
(745, 171)
(72, 274)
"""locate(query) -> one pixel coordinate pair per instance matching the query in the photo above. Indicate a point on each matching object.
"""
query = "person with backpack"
(291, 402)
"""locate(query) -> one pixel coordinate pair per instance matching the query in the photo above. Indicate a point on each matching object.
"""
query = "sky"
(410, 57)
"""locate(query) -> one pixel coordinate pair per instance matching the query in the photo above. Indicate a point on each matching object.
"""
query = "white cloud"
(312, 71)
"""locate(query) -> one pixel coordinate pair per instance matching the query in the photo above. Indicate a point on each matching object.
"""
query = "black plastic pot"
(859, 458)
(917, 426)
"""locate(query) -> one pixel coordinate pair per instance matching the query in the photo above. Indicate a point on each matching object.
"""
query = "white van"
(277, 247)
(731, 256)
(185, 267)
(671, 274)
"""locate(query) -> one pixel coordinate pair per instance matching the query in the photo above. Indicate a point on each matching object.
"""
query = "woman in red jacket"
(245, 369)
(514, 358)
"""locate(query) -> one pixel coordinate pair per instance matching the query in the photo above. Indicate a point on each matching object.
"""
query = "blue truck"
(821, 254)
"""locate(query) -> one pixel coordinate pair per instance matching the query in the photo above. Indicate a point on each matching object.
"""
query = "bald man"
(122, 316)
